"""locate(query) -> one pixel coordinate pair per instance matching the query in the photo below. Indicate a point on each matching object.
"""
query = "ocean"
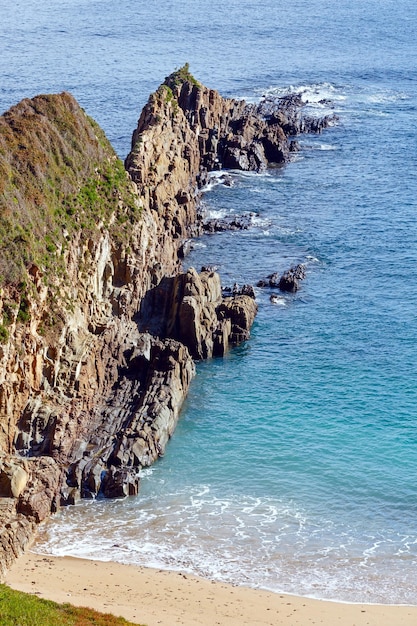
(294, 464)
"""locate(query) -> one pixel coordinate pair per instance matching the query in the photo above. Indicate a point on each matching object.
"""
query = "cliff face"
(99, 327)
(75, 370)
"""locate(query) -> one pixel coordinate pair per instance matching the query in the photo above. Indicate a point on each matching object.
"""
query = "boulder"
(13, 479)
(41, 496)
(230, 222)
(241, 310)
(120, 482)
(288, 281)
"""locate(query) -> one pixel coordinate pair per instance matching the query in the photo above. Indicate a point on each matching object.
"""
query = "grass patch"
(59, 176)
(23, 609)
(166, 95)
(4, 334)
(180, 76)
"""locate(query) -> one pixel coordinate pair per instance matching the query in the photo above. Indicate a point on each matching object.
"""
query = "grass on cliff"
(180, 76)
(60, 181)
(23, 609)
(59, 176)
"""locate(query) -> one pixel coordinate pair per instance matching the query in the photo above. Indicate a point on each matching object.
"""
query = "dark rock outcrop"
(287, 111)
(217, 133)
(288, 281)
(230, 222)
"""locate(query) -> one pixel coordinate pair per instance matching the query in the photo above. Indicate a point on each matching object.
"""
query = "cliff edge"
(99, 326)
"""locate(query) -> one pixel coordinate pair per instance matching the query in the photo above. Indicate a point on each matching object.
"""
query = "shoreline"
(159, 597)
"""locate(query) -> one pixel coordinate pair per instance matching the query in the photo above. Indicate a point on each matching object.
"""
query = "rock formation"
(288, 281)
(99, 326)
(190, 307)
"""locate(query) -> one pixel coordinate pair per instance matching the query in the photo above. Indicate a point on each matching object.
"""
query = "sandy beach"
(156, 597)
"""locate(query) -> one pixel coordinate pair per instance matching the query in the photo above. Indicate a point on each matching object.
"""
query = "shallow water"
(294, 464)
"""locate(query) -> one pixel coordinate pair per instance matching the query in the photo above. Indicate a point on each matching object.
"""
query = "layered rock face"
(99, 326)
(190, 308)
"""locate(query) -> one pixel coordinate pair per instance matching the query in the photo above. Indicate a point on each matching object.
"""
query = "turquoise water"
(294, 464)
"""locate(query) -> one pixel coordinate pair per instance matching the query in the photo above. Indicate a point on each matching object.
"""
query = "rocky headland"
(99, 326)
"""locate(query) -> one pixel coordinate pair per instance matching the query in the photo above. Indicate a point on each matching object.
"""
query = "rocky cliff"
(99, 326)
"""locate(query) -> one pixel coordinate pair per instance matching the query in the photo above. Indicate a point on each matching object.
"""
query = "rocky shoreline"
(100, 326)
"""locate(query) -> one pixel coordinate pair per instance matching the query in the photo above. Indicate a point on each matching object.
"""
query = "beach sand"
(156, 597)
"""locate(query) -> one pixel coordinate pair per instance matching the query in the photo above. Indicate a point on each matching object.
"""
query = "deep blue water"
(294, 466)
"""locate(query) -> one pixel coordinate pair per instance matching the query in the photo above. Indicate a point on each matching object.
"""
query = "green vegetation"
(59, 177)
(97, 201)
(9, 308)
(169, 90)
(181, 76)
(24, 313)
(23, 609)
(4, 334)
(166, 94)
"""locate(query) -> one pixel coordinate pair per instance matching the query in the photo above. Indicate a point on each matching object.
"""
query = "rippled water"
(295, 461)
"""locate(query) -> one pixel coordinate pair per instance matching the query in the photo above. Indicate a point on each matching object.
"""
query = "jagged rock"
(16, 533)
(13, 479)
(28, 491)
(218, 133)
(132, 427)
(245, 290)
(120, 482)
(288, 281)
(226, 180)
(241, 310)
(209, 268)
(40, 498)
(194, 312)
(230, 222)
(287, 111)
(185, 248)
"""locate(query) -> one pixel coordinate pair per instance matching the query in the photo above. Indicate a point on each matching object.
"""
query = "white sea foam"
(260, 222)
(216, 178)
(215, 214)
(198, 244)
(325, 146)
(278, 300)
(146, 471)
(263, 175)
(307, 144)
(387, 96)
(319, 98)
(255, 541)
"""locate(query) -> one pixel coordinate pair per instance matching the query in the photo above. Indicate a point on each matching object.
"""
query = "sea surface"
(294, 465)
